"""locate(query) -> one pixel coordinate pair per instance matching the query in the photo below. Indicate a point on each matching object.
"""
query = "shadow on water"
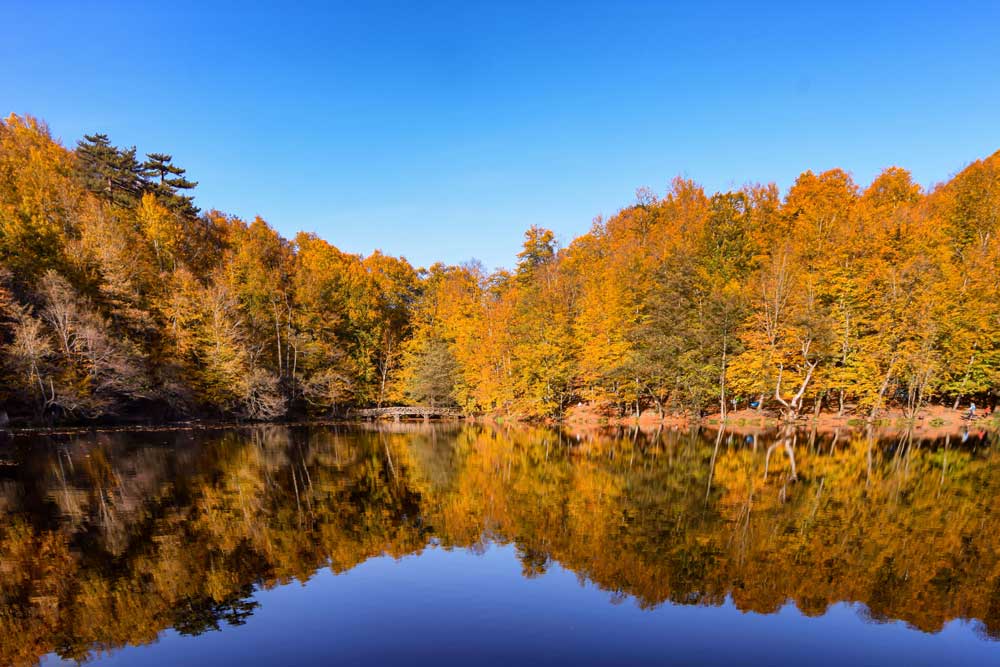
(107, 539)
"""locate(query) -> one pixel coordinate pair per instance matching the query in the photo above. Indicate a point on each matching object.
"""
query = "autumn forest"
(119, 298)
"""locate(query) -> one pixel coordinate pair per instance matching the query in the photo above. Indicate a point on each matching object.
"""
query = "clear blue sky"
(442, 130)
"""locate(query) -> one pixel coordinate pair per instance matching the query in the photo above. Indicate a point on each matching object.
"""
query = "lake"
(492, 545)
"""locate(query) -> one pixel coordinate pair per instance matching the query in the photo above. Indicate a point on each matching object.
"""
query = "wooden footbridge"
(398, 412)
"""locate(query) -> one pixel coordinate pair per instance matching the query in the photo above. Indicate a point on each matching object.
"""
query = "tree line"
(118, 297)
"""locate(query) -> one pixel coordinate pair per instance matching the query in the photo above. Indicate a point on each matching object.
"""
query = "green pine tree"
(166, 180)
(108, 171)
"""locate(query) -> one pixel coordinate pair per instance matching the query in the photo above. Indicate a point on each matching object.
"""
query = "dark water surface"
(456, 544)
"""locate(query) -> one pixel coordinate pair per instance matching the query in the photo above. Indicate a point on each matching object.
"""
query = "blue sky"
(441, 131)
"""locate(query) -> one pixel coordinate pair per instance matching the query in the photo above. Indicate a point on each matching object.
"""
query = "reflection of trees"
(108, 540)
(158, 537)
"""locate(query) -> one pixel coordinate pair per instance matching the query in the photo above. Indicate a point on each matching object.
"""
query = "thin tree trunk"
(277, 334)
(722, 380)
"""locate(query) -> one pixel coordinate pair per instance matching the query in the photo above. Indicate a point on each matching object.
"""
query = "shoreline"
(931, 422)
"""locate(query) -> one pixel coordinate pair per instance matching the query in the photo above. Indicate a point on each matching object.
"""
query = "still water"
(461, 544)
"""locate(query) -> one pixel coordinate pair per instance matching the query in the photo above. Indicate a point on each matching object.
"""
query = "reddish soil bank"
(590, 414)
(930, 422)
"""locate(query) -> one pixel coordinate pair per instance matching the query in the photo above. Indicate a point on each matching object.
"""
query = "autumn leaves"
(832, 297)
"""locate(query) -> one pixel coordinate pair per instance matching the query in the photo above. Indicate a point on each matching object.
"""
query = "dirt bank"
(930, 422)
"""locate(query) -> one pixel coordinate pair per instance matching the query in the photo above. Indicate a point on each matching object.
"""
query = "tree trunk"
(277, 337)
(790, 411)
(882, 390)
(722, 382)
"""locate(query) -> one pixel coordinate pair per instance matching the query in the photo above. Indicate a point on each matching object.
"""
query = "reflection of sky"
(453, 607)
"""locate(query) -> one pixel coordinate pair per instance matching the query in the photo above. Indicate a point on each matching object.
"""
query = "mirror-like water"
(459, 543)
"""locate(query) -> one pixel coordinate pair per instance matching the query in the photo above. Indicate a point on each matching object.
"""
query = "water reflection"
(108, 539)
